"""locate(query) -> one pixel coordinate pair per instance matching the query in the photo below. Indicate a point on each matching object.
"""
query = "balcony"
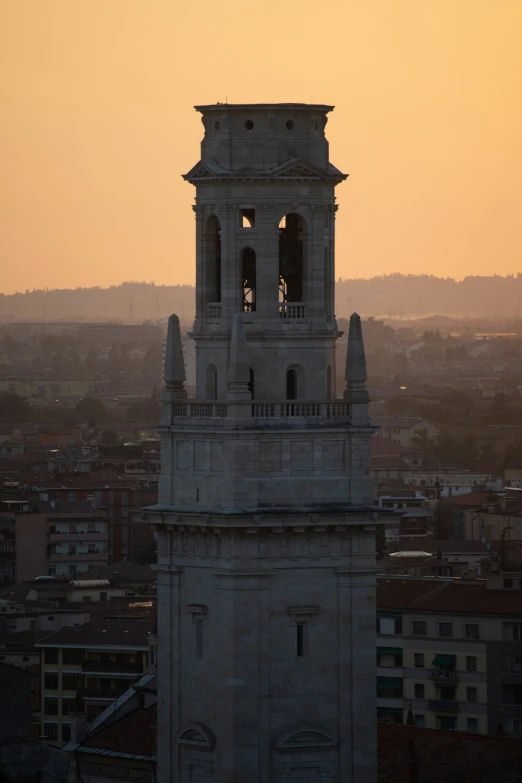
(443, 705)
(73, 537)
(99, 694)
(262, 414)
(444, 674)
(213, 312)
(119, 667)
(292, 311)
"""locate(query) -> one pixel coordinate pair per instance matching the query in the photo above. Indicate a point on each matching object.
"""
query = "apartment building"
(450, 650)
(53, 539)
(101, 659)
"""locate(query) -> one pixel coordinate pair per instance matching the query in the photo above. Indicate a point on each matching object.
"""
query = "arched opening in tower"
(211, 382)
(292, 230)
(291, 384)
(248, 274)
(213, 259)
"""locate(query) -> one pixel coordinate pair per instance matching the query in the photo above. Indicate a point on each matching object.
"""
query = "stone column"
(230, 275)
(200, 267)
(315, 295)
(267, 297)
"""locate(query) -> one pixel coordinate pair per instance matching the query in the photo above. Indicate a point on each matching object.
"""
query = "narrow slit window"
(300, 628)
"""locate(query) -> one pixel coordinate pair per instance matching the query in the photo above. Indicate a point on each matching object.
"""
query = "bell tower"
(265, 209)
(265, 522)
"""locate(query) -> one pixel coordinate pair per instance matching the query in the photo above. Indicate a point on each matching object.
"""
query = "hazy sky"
(98, 126)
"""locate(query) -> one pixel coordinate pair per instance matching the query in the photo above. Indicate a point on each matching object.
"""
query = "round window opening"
(290, 125)
(249, 124)
(216, 125)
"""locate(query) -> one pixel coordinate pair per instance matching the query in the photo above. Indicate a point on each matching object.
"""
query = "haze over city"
(98, 125)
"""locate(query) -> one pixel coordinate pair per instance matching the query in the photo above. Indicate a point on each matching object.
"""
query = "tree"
(109, 438)
(12, 407)
(90, 409)
(458, 400)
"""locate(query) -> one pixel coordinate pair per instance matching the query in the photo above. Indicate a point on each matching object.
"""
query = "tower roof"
(264, 107)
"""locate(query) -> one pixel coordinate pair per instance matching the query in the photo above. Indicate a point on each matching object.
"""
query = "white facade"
(265, 521)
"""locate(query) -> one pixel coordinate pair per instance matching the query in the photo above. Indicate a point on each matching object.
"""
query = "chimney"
(355, 374)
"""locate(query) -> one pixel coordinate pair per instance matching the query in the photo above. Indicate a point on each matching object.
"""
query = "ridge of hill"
(396, 296)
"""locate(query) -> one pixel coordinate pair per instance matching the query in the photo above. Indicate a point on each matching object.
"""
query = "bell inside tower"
(248, 274)
(292, 229)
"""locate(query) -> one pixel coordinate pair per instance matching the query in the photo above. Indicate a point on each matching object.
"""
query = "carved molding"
(304, 613)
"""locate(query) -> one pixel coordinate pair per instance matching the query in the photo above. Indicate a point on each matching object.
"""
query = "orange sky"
(97, 126)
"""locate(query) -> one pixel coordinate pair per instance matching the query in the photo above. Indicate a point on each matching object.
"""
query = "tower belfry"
(265, 521)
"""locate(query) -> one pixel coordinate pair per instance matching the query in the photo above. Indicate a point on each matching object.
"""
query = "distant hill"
(398, 296)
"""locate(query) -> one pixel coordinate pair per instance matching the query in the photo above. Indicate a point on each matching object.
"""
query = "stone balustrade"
(262, 413)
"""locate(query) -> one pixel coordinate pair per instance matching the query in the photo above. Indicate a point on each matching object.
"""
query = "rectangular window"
(72, 657)
(66, 732)
(472, 725)
(87, 599)
(508, 583)
(91, 527)
(51, 730)
(419, 660)
(387, 626)
(445, 629)
(51, 655)
(72, 528)
(419, 690)
(472, 695)
(472, 630)
(420, 721)
(103, 596)
(51, 706)
(51, 682)
(419, 628)
(70, 682)
(516, 632)
(471, 663)
(446, 723)
(68, 704)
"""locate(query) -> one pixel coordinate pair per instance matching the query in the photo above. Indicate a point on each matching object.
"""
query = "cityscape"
(260, 520)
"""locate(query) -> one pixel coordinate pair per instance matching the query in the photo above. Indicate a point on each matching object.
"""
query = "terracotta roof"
(443, 756)
(447, 756)
(135, 734)
(421, 595)
(471, 499)
(109, 631)
(385, 448)
(123, 572)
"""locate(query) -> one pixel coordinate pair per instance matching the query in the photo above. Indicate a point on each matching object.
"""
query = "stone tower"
(265, 522)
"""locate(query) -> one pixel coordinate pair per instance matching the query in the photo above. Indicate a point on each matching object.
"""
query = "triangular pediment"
(298, 169)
